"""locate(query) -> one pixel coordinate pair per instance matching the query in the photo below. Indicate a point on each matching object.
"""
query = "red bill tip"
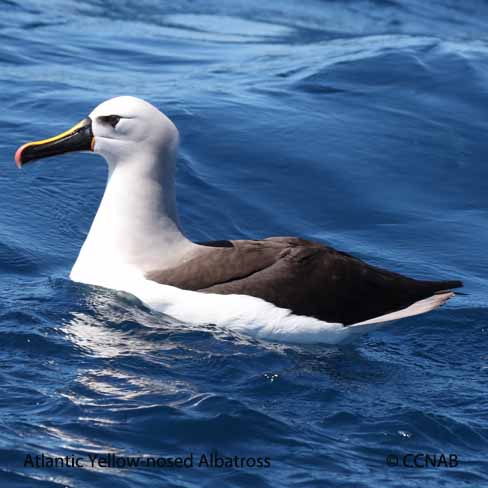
(18, 156)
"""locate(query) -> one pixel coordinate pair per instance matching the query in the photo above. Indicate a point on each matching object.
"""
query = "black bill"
(78, 138)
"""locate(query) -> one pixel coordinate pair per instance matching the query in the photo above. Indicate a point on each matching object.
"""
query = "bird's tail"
(443, 286)
(438, 299)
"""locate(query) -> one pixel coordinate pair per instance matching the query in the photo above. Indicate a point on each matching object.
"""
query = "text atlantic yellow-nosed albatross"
(281, 288)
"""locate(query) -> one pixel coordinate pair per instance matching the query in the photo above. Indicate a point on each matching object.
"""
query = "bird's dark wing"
(304, 276)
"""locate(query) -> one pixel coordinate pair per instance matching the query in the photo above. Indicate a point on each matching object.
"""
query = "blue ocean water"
(362, 124)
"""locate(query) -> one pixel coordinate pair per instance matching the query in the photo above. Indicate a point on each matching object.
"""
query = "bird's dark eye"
(112, 120)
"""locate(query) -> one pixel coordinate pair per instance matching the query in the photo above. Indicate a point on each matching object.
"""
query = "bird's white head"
(125, 127)
(120, 129)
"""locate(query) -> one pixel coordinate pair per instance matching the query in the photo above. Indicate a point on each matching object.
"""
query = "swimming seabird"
(282, 288)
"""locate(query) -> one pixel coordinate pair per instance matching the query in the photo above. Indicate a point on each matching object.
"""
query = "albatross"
(285, 289)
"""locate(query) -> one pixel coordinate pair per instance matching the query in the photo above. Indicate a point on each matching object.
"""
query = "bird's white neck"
(136, 224)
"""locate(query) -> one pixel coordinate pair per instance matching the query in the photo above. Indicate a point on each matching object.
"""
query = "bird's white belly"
(240, 313)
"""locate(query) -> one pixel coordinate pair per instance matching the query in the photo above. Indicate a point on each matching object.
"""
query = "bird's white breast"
(240, 313)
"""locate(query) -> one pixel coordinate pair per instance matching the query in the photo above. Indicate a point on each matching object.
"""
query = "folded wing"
(306, 277)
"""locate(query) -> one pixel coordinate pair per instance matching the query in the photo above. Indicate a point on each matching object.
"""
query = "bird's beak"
(78, 138)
